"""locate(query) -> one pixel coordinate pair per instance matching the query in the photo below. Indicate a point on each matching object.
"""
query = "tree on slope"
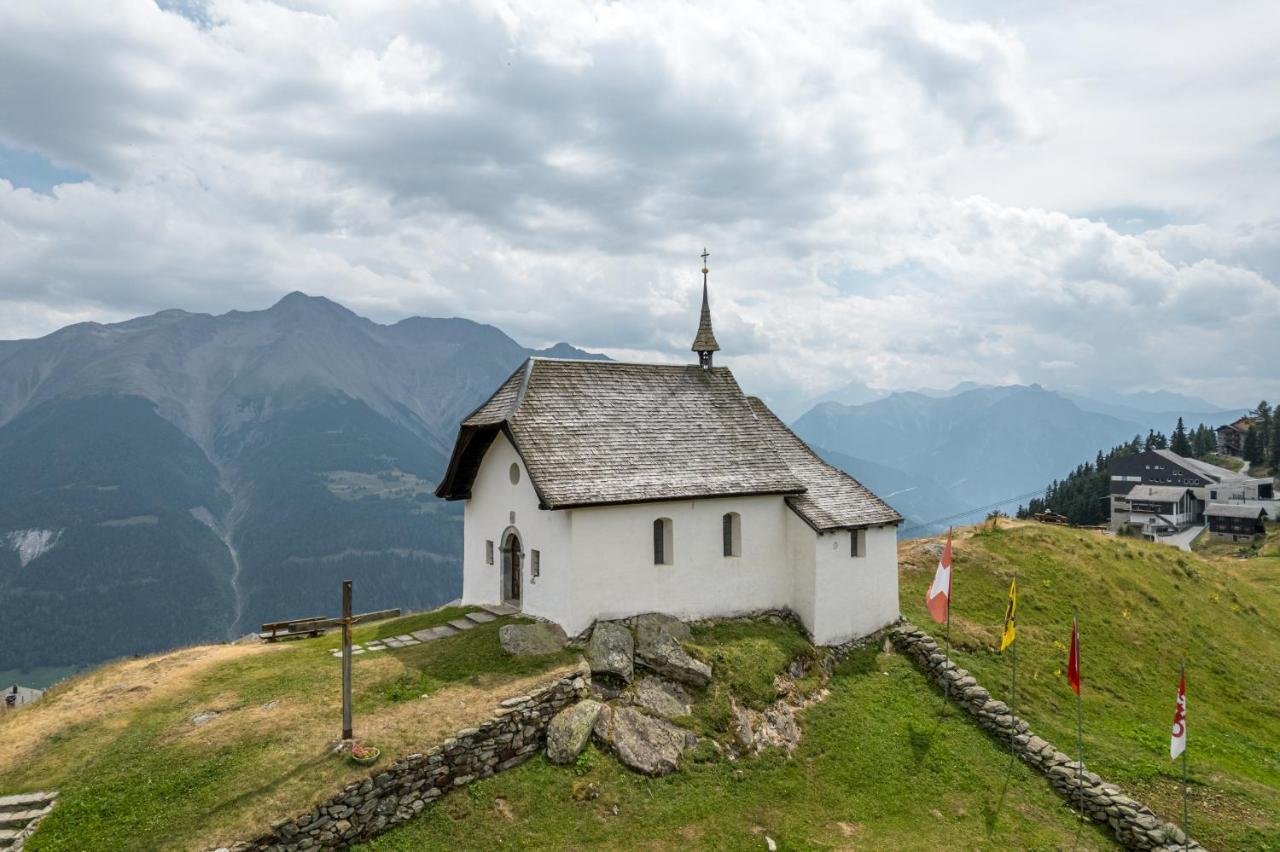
(1181, 444)
(1264, 420)
(1203, 441)
(1275, 448)
(1252, 450)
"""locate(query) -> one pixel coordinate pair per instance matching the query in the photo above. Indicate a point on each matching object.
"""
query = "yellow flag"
(1010, 617)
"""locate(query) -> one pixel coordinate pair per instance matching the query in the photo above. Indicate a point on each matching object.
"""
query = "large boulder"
(660, 697)
(647, 745)
(610, 650)
(648, 625)
(658, 651)
(532, 640)
(569, 730)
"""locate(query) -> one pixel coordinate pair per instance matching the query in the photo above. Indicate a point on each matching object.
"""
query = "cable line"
(965, 514)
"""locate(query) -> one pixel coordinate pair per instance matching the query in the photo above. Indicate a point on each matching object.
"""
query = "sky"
(898, 194)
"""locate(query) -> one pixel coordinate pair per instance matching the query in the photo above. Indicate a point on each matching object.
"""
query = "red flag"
(1073, 664)
(1178, 742)
(938, 598)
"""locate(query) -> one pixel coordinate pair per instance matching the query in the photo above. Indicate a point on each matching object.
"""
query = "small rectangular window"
(856, 543)
(488, 552)
(732, 529)
(662, 544)
(535, 563)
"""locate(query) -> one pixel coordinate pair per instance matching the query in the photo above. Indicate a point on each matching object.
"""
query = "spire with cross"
(705, 341)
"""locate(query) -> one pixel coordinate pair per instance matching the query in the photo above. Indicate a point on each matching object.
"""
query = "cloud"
(889, 194)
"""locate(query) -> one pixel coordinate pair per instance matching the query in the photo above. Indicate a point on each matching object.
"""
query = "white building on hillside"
(600, 489)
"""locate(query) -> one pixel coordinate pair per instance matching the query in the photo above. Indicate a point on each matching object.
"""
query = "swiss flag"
(1073, 664)
(938, 598)
(1178, 743)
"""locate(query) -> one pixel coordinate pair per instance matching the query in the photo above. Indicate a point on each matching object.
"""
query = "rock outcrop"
(610, 650)
(532, 640)
(660, 697)
(569, 731)
(659, 651)
(647, 745)
(650, 624)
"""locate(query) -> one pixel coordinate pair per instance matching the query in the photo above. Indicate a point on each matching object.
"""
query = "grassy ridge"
(135, 773)
(883, 764)
(1143, 607)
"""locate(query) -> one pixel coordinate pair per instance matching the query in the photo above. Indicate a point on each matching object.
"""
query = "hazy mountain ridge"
(984, 444)
(199, 474)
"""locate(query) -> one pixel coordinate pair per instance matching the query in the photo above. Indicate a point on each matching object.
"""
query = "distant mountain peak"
(298, 302)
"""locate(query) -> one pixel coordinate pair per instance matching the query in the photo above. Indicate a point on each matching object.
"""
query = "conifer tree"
(1252, 450)
(1264, 419)
(1275, 448)
(1181, 445)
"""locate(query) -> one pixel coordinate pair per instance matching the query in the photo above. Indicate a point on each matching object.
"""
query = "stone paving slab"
(423, 635)
(480, 616)
(24, 799)
(462, 624)
(499, 609)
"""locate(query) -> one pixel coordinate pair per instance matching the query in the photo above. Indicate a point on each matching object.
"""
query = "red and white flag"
(1178, 744)
(938, 598)
(1073, 664)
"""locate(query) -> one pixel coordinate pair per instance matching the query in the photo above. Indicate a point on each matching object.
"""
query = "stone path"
(19, 816)
(484, 615)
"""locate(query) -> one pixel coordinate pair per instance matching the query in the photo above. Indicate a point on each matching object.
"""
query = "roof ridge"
(613, 362)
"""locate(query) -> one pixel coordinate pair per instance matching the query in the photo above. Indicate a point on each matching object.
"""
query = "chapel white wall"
(854, 595)
(487, 514)
(614, 574)
(802, 543)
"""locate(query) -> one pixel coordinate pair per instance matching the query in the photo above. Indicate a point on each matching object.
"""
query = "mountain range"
(983, 446)
(184, 477)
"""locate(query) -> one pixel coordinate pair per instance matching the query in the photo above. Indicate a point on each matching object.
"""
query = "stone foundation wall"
(1134, 824)
(397, 792)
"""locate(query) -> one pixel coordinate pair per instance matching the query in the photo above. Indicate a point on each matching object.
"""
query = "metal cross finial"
(705, 255)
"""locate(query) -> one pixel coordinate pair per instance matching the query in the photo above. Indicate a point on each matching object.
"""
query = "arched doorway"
(512, 567)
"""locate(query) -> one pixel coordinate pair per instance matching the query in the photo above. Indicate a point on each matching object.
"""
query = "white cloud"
(889, 194)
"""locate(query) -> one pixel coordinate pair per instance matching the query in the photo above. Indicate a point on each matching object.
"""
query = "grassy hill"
(1143, 607)
(883, 763)
(135, 771)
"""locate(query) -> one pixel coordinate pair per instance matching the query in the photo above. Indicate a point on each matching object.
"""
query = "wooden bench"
(299, 628)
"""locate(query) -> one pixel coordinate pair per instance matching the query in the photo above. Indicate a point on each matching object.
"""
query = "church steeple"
(705, 342)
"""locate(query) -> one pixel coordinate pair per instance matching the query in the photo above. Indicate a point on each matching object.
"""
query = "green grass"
(883, 764)
(145, 778)
(745, 657)
(1143, 608)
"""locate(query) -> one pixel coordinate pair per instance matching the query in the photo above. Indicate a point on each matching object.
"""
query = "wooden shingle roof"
(832, 499)
(1235, 510)
(602, 432)
(597, 432)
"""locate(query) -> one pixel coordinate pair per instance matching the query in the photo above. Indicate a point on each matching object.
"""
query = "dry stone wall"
(1133, 823)
(398, 792)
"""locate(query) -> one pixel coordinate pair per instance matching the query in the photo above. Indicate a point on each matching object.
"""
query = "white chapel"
(602, 489)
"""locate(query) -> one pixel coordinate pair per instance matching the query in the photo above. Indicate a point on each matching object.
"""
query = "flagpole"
(946, 682)
(1186, 834)
(1013, 684)
(1075, 615)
